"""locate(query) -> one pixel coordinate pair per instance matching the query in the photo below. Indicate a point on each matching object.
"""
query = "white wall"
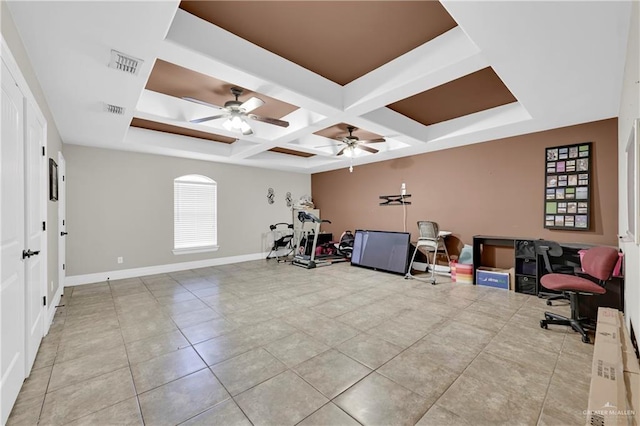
(121, 204)
(630, 110)
(54, 142)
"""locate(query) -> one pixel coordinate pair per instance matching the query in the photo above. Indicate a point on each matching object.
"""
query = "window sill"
(195, 250)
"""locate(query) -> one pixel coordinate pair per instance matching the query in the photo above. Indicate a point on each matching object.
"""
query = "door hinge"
(44, 226)
(63, 178)
(44, 300)
(62, 222)
(64, 267)
(43, 154)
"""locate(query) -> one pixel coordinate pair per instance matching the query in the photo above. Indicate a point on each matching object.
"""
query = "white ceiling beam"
(448, 57)
(238, 60)
(558, 58)
(176, 143)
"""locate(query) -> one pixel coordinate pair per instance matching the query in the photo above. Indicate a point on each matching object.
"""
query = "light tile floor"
(273, 344)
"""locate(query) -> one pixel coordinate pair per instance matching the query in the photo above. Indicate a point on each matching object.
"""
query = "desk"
(613, 298)
(482, 240)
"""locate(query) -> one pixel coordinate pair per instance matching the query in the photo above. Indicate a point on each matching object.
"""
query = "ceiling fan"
(353, 142)
(236, 113)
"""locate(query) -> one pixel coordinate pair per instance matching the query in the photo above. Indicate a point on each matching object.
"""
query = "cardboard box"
(608, 333)
(608, 316)
(632, 387)
(495, 277)
(629, 359)
(608, 394)
(492, 277)
(630, 362)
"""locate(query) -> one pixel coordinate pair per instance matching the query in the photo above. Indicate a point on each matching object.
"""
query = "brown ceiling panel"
(167, 128)
(291, 152)
(475, 92)
(340, 131)
(339, 40)
(180, 82)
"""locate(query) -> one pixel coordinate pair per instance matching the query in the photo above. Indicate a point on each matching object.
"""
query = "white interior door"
(62, 219)
(12, 291)
(35, 265)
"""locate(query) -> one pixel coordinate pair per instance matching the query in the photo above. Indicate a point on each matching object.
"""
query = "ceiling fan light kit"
(236, 113)
(236, 123)
(354, 146)
(350, 152)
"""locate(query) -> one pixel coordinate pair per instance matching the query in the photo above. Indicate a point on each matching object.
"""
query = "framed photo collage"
(567, 187)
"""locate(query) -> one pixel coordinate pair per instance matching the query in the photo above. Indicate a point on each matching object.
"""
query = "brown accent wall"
(491, 188)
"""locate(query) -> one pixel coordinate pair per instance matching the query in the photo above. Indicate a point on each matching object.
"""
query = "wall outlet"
(403, 189)
(120, 259)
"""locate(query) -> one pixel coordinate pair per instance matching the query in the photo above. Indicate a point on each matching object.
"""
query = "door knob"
(62, 234)
(29, 253)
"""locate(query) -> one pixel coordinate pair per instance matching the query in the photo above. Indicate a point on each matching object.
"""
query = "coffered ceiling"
(423, 75)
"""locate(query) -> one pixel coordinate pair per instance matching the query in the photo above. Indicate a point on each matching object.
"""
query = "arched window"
(194, 214)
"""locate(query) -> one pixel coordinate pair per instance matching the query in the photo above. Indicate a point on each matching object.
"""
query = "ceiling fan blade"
(213, 117)
(342, 150)
(367, 148)
(251, 104)
(268, 120)
(326, 146)
(374, 140)
(198, 101)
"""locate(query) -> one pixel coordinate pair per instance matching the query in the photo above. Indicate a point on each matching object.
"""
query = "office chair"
(432, 241)
(548, 249)
(598, 262)
(282, 234)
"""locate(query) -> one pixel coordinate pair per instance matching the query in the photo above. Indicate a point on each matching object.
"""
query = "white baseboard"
(51, 309)
(75, 280)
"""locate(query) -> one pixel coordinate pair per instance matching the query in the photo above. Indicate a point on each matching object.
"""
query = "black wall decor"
(53, 180)
(568, 187)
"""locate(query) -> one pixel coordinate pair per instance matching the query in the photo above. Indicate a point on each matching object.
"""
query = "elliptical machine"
(302, 259)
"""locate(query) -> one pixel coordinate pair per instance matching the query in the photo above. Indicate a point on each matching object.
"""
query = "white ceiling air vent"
(114, 109)
(123, 62)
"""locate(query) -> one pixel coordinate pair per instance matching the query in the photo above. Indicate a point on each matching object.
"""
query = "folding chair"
(432, 240)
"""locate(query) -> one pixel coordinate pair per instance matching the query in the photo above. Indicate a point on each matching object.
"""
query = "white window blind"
(195, 213)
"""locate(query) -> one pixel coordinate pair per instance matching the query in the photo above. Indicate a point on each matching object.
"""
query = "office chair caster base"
(549, 303)
(543, 324)
(585, 339)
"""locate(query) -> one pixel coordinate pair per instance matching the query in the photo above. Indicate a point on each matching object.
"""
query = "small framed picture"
(53, 180)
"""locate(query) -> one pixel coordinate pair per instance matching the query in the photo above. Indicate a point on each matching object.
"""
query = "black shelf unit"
(526, 267)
